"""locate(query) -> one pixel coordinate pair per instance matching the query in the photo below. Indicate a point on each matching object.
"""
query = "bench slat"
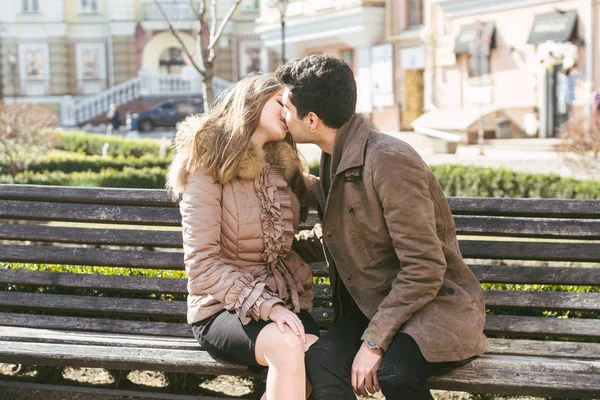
(120, 283)
(114, 214)
(505, 325)
(538, 376)
(543, 376)
(546, 208)
(543, 300)
(177, 329)
(485, 273)
(528, 227)
(65, 194)
(114, 237)
(497, 346)
(114, 306)
(559, 208)
(92, 257)
(537, 275)
(474, 249)
(539, 251)
(542, 327)
(43, 335)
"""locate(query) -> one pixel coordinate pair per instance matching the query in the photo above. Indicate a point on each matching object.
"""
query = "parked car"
(168, 114)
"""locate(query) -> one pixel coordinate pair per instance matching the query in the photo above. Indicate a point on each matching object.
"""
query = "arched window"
(171, 61)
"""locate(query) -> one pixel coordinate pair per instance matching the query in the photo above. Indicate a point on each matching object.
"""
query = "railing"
(145, 84)
(175, 10)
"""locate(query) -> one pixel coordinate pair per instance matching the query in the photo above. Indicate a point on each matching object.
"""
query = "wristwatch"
(371, 345)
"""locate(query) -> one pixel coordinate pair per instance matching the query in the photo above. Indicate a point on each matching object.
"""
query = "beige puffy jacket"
(237, 239)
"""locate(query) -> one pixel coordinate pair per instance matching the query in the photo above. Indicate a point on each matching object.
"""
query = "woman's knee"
(274, 344)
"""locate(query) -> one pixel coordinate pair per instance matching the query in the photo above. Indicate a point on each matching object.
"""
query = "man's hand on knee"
(364, 370)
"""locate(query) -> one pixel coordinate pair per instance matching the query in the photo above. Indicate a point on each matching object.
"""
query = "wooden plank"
(105, 306)
(43, 335)
(104, 391)
(176, 329)
(536, 376)
(541, 327)
(70, 194)
(543, 300)
(528, 227)
(540, 251)
(546, 208)
(114, 214)
(93, 257)
(119, 283)
(92, 236)
(544, 348)
(537, 275)
(167, 360)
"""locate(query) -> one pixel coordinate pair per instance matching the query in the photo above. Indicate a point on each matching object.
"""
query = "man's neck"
(328, 138)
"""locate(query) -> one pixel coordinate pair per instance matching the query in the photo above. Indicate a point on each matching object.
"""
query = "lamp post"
(282, 5)
(12, 62)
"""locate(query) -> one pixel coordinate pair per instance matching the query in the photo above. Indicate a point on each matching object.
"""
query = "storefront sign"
(468, 35)
(558, 27)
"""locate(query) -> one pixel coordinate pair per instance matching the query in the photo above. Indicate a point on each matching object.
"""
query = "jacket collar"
(277, 154)
(350, 143)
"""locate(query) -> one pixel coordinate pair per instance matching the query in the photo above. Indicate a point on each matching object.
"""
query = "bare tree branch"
(176, 34)
(214, 38)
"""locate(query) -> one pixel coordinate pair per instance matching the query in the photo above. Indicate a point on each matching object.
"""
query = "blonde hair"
(216, 141)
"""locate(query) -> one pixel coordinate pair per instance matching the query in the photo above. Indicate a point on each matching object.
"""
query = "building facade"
(503, 60)
(354, 30)
(81, 48)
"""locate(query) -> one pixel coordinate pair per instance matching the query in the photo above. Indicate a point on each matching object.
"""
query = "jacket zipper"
(358, 232)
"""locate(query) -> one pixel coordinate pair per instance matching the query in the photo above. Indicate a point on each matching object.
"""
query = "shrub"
(74, 162)
(92, 144)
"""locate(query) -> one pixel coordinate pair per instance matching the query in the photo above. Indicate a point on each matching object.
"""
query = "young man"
(403, 297)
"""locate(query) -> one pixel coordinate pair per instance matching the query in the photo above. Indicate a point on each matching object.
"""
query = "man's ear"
(313, 121)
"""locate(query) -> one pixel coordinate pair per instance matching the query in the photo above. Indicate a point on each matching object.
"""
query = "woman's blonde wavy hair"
(216, 141)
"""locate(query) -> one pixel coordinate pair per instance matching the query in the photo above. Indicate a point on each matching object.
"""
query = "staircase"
(145, 84)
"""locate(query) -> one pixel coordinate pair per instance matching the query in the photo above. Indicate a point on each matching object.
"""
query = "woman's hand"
(282, 316)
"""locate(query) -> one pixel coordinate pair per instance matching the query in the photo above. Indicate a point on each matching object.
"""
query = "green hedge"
(144, 178)
(470, 181)
(75, 162)
(92, 144)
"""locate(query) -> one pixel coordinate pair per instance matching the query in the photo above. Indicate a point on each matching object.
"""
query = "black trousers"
(401, 374)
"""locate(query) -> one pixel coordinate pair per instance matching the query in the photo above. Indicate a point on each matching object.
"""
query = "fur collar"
(278, 154)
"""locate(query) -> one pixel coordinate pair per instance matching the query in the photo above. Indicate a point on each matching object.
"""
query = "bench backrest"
(514, 242)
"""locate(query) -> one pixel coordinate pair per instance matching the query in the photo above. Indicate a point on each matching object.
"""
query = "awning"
(467, 35)
(557, 26)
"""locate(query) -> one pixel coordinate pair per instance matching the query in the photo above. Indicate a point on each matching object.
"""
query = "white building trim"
(462, 8)
(356, 27)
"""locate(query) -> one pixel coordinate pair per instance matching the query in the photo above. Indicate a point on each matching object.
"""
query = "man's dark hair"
(323, 84)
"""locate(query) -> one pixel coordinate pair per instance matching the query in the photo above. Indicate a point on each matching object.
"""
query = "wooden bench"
(131, 322)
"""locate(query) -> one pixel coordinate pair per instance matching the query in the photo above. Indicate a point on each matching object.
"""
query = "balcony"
(176, 10)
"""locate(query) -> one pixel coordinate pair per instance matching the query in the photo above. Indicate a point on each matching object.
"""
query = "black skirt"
(225, 338)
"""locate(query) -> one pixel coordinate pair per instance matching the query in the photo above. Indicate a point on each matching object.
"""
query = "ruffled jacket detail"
(237, 239)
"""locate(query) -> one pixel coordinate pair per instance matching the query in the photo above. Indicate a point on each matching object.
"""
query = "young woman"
(243, 194)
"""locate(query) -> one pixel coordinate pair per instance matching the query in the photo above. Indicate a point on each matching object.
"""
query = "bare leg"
(283, 353)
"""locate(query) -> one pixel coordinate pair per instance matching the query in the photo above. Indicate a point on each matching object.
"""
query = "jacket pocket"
(358, 232)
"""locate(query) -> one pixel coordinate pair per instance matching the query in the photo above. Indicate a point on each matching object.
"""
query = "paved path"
(522, 155)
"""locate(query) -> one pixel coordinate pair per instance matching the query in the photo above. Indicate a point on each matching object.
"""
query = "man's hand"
(364, 370)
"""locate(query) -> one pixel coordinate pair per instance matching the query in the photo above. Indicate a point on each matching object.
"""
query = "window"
(89, 6)
(415, 12)
(30, 6)
(34, 62)
(91, 61)
(171, 61)
(348, 56)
